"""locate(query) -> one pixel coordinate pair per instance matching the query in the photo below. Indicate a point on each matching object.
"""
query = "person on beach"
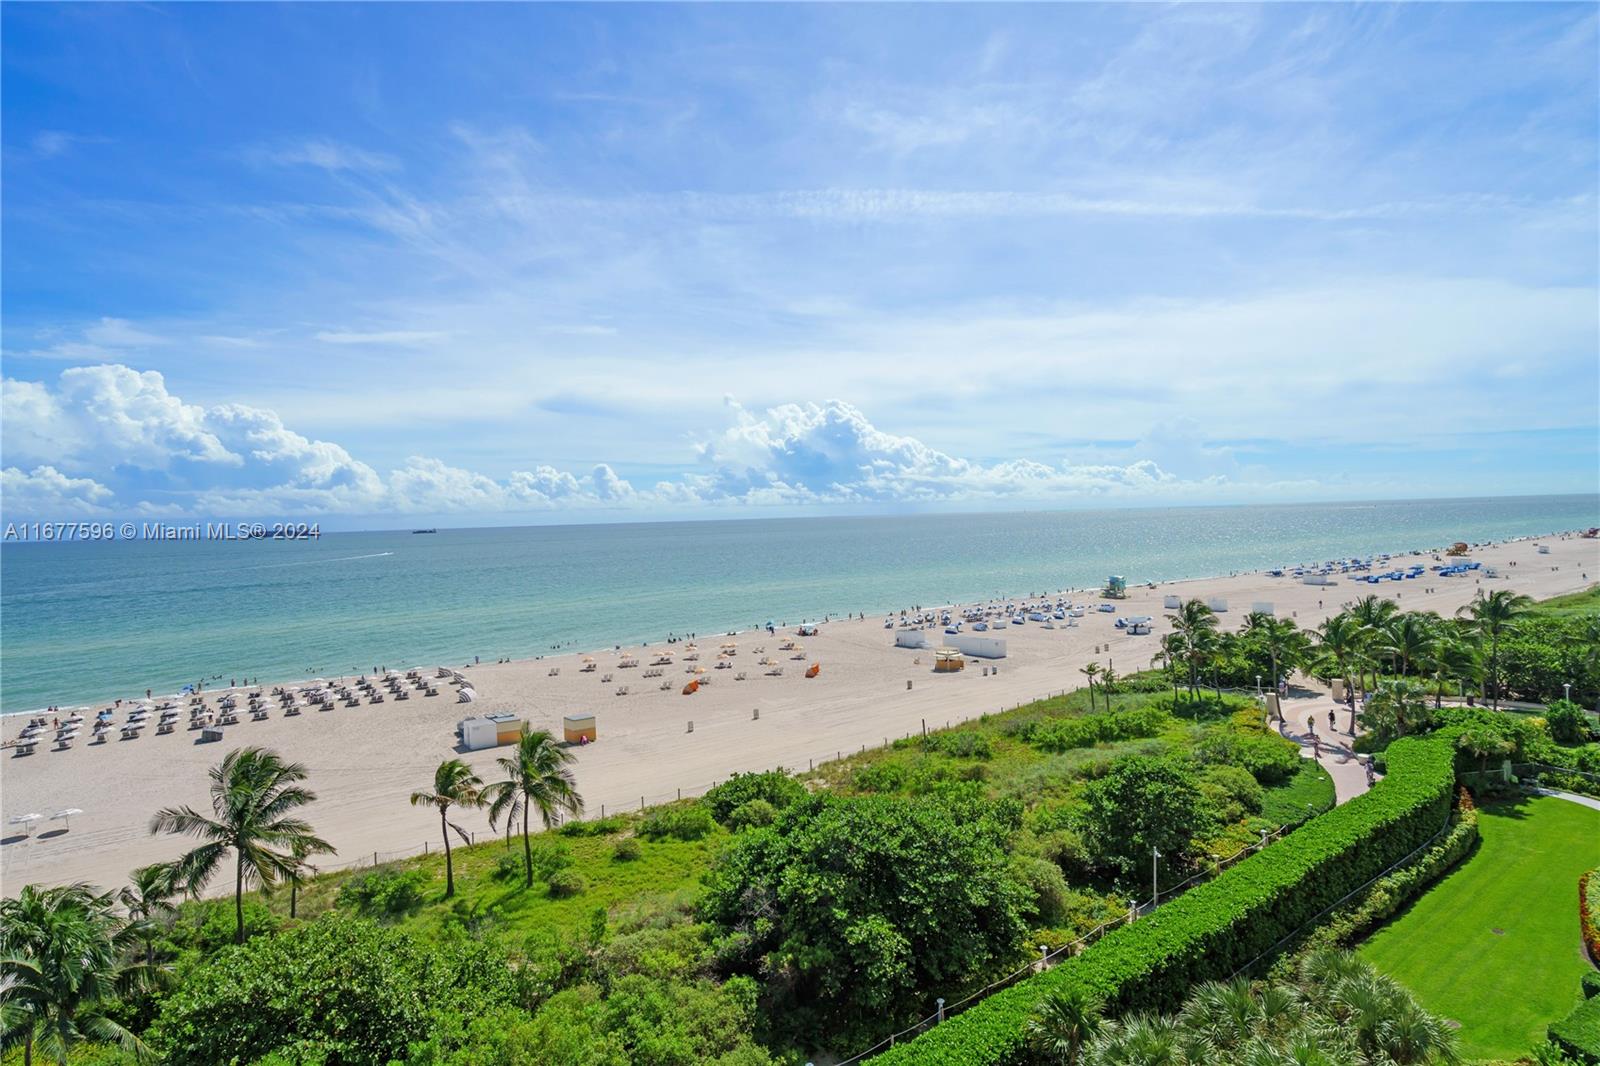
(1311, 724)
(1330, 722)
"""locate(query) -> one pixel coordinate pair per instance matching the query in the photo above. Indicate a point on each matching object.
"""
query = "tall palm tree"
(1405, 639)
(1171, 650)
(1450, 658)
(59, 972)
(1063, 1021)
(253, 794)
(1280, 638)
(454, 785)
(1195, 623)
(146, 900)
(536, 777)
(1491, 615)
(1090, 671)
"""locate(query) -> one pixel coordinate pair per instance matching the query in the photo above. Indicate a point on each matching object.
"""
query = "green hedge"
(1225, 924)
(1578, 1034)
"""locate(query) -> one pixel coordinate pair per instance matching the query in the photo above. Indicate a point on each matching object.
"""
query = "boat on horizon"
(415, 531)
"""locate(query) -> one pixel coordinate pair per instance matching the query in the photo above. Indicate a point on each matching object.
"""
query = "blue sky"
(548, 263)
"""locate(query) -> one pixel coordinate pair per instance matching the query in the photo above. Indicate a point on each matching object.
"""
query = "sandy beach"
(364, 761)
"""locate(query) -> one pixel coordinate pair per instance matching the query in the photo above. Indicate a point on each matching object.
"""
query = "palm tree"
(1280, 638)
(1171, 651)
(1108, 684)
(1195, 623)
(1450, 658)
(1397, 708)
(1063, 1021)
(253, 792)
(59, 972)
(1490, 616)
(454, 784)
(536, 777)
(146, 900)
(1340, 637)
(1405, 639)
(1090, 671)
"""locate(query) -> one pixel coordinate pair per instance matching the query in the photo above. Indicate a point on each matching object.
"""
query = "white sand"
(364, 762)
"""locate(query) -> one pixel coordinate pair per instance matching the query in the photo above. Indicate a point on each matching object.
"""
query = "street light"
(1567, 686)
(1155, 886)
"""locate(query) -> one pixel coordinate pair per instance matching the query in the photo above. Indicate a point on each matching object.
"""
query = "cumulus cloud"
(46, 490)
(108, 438)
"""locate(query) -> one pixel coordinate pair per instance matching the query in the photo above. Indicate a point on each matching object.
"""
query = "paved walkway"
(1348, 770)
(1573, 797)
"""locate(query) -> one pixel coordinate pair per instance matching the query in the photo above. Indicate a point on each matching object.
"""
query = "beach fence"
(618, 803)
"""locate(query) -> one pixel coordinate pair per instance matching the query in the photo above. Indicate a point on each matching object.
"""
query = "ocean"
(83, 622)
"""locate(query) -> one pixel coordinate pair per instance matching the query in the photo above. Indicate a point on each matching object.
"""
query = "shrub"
(752, 815)
(1578, 1034)
(627, 849)
(888, 776)
(567, 883)
(1567, 722)
(1233, 792)
(1048, 887)
(387, 895)
(855, 906)
(1064, 734)
(1271, 759)
(960, 744)
(690, 821)
(209, 925)
(550, 857)
(594, 827)
(1142, 803)
(339, 989)
(1590, 983)
(508, 867)
(774, 786)
(1220, 927)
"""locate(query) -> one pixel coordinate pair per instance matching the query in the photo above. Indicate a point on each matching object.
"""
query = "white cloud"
(111, 438)
(328, 155)
(391, 336)
(45, 490)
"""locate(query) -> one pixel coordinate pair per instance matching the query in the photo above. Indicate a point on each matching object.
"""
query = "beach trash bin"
(578, 728)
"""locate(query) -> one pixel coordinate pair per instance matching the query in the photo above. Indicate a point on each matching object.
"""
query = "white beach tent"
(65, 816)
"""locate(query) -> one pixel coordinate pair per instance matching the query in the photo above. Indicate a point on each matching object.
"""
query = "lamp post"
(940, 1002)
(1155, 886)
(1567, 689)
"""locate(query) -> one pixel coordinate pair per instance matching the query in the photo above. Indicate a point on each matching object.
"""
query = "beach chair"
(622, 691)
(401, 694)
(739, 676)
(26, 747)
(605, 679)
(377, 697)
(666, 686)
(161, 730)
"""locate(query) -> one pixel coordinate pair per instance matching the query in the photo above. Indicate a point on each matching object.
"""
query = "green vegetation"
(1495, 944)
(1223, 925)
(1333, 1009)
(1578, 603)
(1578, 1034)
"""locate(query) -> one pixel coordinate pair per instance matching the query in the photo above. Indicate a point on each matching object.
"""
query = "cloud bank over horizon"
(510, 260)
(111, 440)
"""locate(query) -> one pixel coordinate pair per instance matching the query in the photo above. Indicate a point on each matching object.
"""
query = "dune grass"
(1495, 945)
(1585, 602)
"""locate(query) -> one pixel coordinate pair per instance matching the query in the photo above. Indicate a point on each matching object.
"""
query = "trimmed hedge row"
(1578, 1034)
(1223, 925)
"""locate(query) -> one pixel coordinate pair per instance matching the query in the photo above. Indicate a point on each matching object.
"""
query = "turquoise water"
(81, 622)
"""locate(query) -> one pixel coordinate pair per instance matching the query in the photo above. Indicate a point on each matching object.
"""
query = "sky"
(376, 264)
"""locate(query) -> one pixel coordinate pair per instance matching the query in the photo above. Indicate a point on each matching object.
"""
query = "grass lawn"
(1495, 945)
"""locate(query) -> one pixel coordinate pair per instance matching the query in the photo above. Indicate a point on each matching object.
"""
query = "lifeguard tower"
(1116, 587)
